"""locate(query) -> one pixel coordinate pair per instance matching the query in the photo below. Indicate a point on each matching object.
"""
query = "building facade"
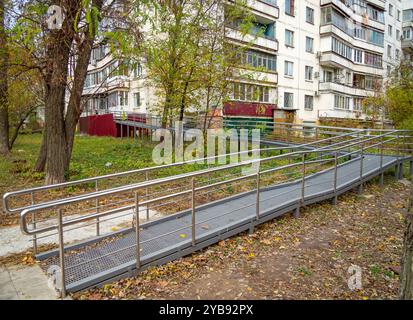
(315, 60)
(407, 36)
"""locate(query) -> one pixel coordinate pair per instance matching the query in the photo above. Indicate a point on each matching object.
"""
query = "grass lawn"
(90, 156)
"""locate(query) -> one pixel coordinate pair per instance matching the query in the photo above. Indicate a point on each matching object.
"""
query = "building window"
(390, 10)
(389, 51)
(390, 30)
(341, 102)
(309, 15)
(288, 68)
(398, 15)
(341, 48)
(289, 7)
(137, 99)
(289, 38)
(358, 104)
(288, 100)
(358, 56)
(308, 103)
(251, 93)
(258, 59)
(397, 34)
(309, 73)
(327, 76)
(309, 44)
(123, 98)
(137, 72)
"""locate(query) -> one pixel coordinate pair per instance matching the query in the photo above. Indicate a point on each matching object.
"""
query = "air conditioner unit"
(316, 75)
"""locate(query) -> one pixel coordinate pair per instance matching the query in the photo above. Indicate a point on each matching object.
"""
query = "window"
(397, 34)
(251, 93)
(341, 102)
(398, 15)
(390, 30)
(289, 38)
(358, 56)
(137, 72)
(308, 103)
(390, 10)
(288, 100)
(288, 68)
(309, 44)
(309, 15)
(328, 76)
(389, 51)
(341, 48)
(358, 104)
(397, 54)
(289, 7)
(137, 99)
(372, 59)
(258, 59)
(308, 73)
(123, 98)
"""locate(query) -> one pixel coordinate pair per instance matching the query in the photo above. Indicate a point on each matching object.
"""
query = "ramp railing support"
(360, 191)
(335, 177)
(193, 211)
(61, 254)
(257, 207)
(137, 233)
(97, 210)
(381, 162)
(34, 225)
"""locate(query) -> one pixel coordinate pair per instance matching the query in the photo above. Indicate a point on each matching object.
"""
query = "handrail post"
(335, 177)
(257, 206)
(137, 233)
(34, 225)
(361, 168)
(193, 211)
(381, 162)
(147, 195)
(303, 180)
(97, 210)
(61, 253)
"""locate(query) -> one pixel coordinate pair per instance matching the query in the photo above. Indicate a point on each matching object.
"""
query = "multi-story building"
(314, 59)
(407, 37)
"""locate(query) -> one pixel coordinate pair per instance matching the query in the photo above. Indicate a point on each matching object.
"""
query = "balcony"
(263, 8)
(332, 59)
(269, 44)
(343, 88)
(341, 114)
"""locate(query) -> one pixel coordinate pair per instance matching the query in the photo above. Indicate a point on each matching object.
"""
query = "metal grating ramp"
(114, 256)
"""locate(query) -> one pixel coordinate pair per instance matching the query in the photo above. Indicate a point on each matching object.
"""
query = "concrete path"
(24, 283)
(13, 241)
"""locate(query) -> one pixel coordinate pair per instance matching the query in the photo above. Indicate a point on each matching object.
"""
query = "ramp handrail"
(141, 185)
(31, 191)
(362, 142)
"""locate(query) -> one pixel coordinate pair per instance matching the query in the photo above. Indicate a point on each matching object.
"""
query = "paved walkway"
(24, 283)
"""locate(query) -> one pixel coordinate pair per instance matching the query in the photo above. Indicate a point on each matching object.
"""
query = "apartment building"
(317, 60)
(407, 36)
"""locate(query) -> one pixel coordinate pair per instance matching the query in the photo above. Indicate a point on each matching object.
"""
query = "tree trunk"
(74, 109)
(41, 160)
(4, 109)
(406, 276)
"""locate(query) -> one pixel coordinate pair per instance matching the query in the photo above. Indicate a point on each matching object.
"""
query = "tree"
(187, 57)
(4, 108)
(62, 52)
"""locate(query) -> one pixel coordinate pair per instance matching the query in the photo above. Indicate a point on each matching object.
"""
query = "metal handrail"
(146, 184)
(192, 191)
(31, 191)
